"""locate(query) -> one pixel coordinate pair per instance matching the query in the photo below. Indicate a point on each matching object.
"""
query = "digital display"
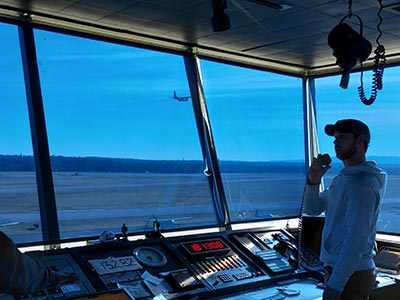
(205, 246)
(115, 264)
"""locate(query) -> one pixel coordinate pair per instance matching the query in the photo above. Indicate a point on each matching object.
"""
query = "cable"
(147, 223)
(378, 67)
(349, 8)
(297, 250)
(300, 229)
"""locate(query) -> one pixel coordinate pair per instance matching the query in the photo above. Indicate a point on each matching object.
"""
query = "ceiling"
(291, 40)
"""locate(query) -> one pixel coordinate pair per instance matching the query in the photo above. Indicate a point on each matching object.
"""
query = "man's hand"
(59, 278)
(317, 169)
(330, 294)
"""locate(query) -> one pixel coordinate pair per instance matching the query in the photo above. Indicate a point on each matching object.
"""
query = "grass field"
(89, 203)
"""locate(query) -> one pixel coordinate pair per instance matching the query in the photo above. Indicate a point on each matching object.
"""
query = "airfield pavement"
(92, 202)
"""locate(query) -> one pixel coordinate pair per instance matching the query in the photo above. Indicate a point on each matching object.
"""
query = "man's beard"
(344, 155)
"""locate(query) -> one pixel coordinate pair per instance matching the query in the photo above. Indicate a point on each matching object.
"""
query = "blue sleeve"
(313, 200)
(20, 274)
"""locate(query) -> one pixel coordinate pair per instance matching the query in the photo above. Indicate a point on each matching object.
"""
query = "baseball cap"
(347, 126)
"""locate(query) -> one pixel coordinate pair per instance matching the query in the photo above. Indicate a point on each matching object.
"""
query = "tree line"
(25, 163)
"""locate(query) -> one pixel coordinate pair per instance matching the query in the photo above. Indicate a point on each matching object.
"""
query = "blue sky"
(382, 116)
(109, 100)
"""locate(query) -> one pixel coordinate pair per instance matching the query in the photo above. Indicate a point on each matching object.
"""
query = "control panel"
(185, 267)
(217, 262)
(264, 252)
(144, 268)
(285, 244)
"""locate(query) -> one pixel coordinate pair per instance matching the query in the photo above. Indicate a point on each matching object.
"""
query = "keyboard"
(388, 259)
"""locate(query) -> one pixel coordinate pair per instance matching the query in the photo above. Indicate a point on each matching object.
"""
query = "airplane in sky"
(181, 99)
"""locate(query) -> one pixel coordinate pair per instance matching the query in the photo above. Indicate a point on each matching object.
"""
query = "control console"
(217, 262)
(186, 267)
(144, 268)
(267, 256)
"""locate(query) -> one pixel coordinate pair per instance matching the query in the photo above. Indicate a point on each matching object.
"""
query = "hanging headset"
(348, 46)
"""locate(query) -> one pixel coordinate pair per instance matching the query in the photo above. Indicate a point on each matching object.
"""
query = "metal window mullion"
(206, 140)
(45, 187)
(310, 121)
(310, 130)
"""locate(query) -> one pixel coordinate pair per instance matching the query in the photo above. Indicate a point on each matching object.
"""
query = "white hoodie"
(351, 206)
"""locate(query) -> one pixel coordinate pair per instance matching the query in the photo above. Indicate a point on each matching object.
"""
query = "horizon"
(334, 158)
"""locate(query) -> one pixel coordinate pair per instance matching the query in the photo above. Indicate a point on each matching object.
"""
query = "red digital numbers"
(213, 245)
(207, 246)
(218, 245)
(196, 247)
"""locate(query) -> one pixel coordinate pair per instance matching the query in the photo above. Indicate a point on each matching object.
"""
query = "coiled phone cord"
(378, 67)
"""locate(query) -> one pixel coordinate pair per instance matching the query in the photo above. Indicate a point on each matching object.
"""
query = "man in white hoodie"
(351, 205)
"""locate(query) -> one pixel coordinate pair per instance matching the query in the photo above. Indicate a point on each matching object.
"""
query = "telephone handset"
(324, 159)
(264, 252)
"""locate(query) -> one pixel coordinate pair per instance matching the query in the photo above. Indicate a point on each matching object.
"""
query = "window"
(123, 149)
(259, 136)
(334, 103)
(19, 217)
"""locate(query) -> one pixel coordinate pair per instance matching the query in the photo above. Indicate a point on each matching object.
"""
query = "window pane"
(258, 132)
(334, 103)
(19, 217)
(123, 149)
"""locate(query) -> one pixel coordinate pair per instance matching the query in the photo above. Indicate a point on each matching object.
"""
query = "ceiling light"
(271, 4)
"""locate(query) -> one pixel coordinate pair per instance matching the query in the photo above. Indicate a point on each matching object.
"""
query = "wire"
(298, 251)
(379, 65)
(379, 23)
(147, 223)
(300, 229)
(350, 4)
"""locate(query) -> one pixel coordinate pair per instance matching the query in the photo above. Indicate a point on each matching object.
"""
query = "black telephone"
(277, 251)
(261, 245)
(288, 246)
(285, 244)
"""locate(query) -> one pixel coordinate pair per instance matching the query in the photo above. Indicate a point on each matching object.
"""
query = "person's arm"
(313, 202)
(21, 274)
